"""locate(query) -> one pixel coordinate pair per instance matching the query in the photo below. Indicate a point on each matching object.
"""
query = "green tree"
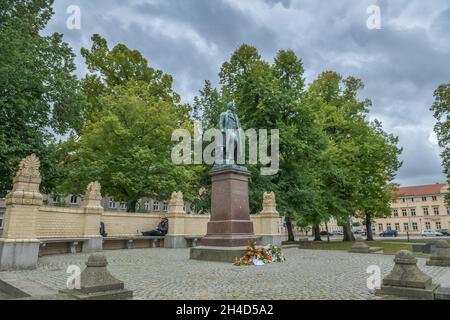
(377, 167)
(125, 142)
(39, 94)
(120, 65)
(128, 149)
(360, 161)
(441, 109)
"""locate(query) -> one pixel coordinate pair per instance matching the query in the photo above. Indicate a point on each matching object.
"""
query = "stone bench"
(130, 240)
(424, 247)
(72, 243)
(192, 241)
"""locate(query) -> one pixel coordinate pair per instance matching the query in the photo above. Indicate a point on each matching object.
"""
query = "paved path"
(169, 274)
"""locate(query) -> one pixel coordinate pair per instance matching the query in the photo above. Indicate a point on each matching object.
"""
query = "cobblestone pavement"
(160, 274)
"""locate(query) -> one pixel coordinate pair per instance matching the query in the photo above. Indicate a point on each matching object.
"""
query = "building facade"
(145, 205)
(416, 209)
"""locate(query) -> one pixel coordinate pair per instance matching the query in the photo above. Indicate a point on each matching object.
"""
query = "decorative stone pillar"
(19, 247)
(271, 222)
(441, 258)
(407, 280)
(93, 210)
(97, 283)
(175, 237)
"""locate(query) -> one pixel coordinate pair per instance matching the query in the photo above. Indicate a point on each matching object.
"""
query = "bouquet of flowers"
(260, 256)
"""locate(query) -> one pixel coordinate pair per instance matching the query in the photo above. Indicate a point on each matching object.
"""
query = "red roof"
(425, 190)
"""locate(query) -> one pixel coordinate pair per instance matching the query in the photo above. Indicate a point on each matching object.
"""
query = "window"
(405, 213)
(165, 206)
(388, 227)
(2, 217)
(155, 205)
(124, 206)
(73, 200)
(380, 227)
(411, 200)
(396, 213)
(436, 211)
(112, 203)
(448, 210)
(438, 225)
(413, 212)
(415, 227)
(434, 198)
(424, 199)
(406, 226)
(147, 206)
(397, 226)
(425, 212)
(428, 225)
(403, 200)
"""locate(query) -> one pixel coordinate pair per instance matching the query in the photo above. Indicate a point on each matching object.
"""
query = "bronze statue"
(230, 127)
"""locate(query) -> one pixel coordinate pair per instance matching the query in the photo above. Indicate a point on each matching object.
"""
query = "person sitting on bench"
(161, 230)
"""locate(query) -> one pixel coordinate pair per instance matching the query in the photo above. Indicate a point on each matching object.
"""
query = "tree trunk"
(132, 206)
(317, 236)
(328, 233)
(291, 236)
(348, 234)
(369, 227)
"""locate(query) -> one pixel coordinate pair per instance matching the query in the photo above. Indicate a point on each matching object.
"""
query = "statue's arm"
(222, 122)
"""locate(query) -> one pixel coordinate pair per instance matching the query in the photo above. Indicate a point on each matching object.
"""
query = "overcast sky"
(401, 64)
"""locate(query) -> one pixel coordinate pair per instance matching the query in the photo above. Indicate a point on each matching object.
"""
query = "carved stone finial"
(407, 280)
(29, 167)
(26, 183)
(93, 196)
(269, 203)
(176, 204)
(93, 191)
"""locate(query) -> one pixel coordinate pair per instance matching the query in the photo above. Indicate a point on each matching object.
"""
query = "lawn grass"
(389, 246)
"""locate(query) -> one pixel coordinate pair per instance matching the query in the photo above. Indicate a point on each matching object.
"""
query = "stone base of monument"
(441, 258)
(407, 280)
(273, 240)
(361, 247)
(18, 254)
(218, 254)
(96, 283)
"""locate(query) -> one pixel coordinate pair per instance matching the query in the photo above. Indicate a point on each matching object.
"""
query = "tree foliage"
(125, 143)
(39, 94)
(441, 109)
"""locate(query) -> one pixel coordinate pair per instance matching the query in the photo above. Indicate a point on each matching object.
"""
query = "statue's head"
(232, 106)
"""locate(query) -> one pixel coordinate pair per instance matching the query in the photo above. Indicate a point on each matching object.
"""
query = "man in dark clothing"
(103, 230)
(161, 231)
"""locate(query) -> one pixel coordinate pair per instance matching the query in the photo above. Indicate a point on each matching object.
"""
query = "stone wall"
(54, 222)
(29, 225)
(124, 224)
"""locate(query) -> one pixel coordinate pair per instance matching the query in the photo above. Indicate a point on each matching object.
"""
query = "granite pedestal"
(230, 228)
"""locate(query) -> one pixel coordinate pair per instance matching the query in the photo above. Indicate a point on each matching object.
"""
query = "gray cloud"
(401, 64)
